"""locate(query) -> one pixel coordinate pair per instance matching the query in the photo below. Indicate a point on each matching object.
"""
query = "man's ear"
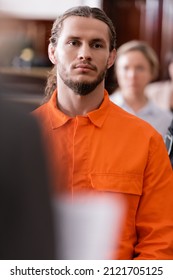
(51, 53)
(111, 58)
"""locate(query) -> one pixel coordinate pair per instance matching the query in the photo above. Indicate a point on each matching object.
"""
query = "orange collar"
(58, 118)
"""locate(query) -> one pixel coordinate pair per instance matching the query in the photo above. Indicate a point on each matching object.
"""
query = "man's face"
(82, 54)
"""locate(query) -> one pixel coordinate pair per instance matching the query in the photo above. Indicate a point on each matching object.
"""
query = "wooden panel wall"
(18, 33)
(167, 28)
(149, 20)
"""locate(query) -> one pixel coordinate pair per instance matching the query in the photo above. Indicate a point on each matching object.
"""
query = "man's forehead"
(78, 20)
(87, 25)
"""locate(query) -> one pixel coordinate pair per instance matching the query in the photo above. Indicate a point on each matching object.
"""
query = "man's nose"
(84, 52)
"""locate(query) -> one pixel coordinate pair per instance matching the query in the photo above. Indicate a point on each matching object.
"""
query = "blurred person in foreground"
(97, 146)
(25, 200)
(27, 230)
(161, 92)
(136, 66)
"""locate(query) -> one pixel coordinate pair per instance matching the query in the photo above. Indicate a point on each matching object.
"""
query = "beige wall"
(44, 9)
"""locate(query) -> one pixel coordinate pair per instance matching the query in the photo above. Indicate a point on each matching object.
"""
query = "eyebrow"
(73, 37)
(99, 40)
(92, 40)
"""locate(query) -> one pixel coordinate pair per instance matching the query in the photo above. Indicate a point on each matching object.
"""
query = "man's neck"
(73, 104)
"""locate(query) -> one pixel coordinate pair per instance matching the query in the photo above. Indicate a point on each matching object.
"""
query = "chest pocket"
(125, 186)
(119, 183)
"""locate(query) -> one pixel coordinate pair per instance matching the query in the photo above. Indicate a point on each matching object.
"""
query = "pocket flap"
(122, 183)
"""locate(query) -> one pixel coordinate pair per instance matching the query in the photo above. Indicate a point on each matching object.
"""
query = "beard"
(83, 88)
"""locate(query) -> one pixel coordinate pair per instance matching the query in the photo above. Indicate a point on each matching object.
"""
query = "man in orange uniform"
(93, 145)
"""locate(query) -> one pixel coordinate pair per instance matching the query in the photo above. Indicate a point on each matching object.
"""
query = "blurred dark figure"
(26, 229)
(169, 142)
(25, 208)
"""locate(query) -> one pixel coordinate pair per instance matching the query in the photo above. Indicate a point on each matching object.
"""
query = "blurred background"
(25, 29)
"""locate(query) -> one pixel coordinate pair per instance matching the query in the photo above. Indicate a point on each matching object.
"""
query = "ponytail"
(51, 84)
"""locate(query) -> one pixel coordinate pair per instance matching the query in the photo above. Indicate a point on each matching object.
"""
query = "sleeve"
(154, 219)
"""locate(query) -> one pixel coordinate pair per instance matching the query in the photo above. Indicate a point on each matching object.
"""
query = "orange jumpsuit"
(110, 150)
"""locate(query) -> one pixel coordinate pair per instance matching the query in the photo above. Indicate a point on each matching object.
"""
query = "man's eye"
(97, 45)
(73, 43)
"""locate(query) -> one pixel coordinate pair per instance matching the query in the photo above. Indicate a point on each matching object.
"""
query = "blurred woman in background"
(136, 66)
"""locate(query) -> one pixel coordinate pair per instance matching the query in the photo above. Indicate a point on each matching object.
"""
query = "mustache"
(85, 64)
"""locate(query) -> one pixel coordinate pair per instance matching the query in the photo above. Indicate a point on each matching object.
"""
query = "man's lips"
(84, 66)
